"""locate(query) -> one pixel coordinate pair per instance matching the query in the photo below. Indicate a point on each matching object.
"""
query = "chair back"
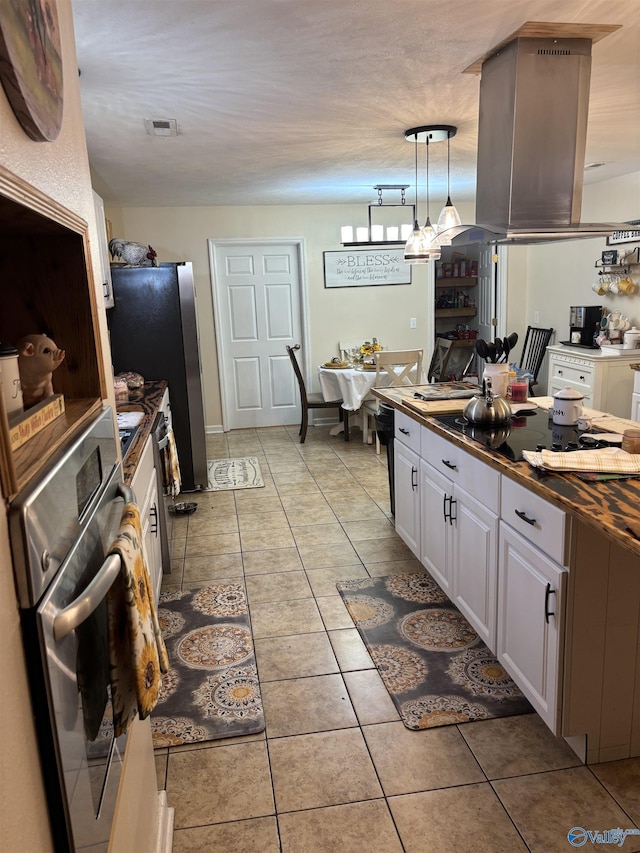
(398, 365)
(535, 345)
(297, 371)
(451, 360)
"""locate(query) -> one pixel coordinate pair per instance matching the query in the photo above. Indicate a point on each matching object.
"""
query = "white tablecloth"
(352, 385)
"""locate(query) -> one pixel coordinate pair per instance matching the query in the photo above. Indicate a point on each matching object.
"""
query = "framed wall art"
(31, 65)
(365, 268)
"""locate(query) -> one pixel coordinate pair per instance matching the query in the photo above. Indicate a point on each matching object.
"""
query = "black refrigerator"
(154, 331)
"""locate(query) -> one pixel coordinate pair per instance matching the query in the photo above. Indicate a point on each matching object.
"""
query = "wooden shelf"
(50, 291)
(460, 281)
(455, 312)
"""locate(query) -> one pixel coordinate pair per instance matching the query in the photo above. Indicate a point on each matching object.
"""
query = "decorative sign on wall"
(31, 66)
(365, 267)
(630, 236)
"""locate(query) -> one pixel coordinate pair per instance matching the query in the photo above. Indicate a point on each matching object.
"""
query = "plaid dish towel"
(610, 460)
(137, 654)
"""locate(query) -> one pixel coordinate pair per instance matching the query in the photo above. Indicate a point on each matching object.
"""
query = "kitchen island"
(544, 565)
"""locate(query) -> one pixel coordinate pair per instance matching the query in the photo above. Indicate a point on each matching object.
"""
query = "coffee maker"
(584, 325)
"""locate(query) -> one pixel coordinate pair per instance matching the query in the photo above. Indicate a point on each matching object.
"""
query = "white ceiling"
(306, 101)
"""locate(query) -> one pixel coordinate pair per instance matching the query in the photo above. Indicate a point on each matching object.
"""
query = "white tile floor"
(336, 771)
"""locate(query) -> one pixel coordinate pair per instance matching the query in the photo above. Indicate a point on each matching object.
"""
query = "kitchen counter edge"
(146, 399)
(607, 507)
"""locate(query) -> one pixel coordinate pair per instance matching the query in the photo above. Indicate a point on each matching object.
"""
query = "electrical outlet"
(412, 322)
(536, 316)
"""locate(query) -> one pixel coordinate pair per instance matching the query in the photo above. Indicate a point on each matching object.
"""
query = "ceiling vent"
(161, 126)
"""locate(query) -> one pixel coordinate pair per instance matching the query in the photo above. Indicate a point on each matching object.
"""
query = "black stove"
(126, 438)
(528, 431)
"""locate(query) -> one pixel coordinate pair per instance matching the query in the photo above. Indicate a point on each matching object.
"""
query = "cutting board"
(436, 407)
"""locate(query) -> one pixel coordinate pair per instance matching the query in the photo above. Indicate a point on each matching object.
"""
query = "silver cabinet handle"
(75, 613)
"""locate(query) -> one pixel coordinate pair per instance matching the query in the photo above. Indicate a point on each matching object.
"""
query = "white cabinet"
(144, 485)
(407, 496)
(605, 380)
(105, 266)
(531, 600)
(635, 397)
(459, 547)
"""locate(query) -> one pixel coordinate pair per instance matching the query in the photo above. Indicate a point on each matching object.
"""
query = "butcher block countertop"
(611, 507)
(146, 399)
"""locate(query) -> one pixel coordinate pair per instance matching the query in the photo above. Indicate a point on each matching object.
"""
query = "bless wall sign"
(365, 267)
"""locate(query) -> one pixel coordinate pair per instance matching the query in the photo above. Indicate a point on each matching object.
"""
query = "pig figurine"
(38, 357)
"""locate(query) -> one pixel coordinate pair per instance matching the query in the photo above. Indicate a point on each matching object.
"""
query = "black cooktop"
(528, 431)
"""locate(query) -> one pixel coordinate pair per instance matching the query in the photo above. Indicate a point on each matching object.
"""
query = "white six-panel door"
(257, 297)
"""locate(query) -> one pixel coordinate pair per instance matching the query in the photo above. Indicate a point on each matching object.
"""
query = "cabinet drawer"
(537, 520)
(407, 431)
(577, 375)
(472, 475)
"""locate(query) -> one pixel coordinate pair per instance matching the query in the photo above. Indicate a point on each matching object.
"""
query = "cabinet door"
(437, 519)
(407, 496)
(144, 485)
(105, 265)
(475, 545)
(530, 622)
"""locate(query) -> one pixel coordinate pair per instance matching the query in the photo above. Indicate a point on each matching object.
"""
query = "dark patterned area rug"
(434, 665)
(211, 690)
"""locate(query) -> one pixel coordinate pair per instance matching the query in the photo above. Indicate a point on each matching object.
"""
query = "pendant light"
(449, 216)
(429, 232)
(415, 250)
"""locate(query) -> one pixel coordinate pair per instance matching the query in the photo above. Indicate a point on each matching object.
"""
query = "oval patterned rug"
(434, 665)
(211, 690)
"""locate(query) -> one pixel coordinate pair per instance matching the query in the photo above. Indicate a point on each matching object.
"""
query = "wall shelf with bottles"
(46, 286)
(455, 312)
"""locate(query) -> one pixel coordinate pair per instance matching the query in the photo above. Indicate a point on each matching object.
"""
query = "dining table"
(350, 384)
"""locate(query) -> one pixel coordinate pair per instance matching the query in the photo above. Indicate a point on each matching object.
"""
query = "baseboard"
(212, 430)
(164, 838)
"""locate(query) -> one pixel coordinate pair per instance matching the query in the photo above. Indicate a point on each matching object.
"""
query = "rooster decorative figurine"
(133, 254)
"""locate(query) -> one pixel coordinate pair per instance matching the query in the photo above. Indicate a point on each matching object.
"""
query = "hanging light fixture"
(429, 232)
(415, 250)
(449, 216)
(374, 234)
(430, 242)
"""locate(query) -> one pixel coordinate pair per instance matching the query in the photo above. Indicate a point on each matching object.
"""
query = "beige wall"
(338, 313)
(60, 169)
(545, 279)
(561, 275)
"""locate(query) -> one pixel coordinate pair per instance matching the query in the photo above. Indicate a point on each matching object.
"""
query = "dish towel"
(137, 654)
(610, 460)
(171, 478)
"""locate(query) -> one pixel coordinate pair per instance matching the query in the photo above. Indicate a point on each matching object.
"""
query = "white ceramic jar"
(10, 379)
(567, 407)
(631, 338)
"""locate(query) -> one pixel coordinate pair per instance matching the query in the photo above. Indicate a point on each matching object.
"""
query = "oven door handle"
(74, 614)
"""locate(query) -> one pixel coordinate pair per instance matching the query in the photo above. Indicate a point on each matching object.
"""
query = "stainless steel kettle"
(487, 409)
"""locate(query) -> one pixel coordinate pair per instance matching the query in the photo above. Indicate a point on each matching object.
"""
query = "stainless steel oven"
(61, 528)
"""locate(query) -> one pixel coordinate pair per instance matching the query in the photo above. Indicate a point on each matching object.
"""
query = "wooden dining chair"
(314, 400)
(534, 350)
(393, 368)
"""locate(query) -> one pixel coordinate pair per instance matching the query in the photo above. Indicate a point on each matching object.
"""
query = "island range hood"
(534, 98)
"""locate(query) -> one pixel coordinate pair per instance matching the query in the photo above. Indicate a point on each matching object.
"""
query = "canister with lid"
(632, 338)
(10, 379)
